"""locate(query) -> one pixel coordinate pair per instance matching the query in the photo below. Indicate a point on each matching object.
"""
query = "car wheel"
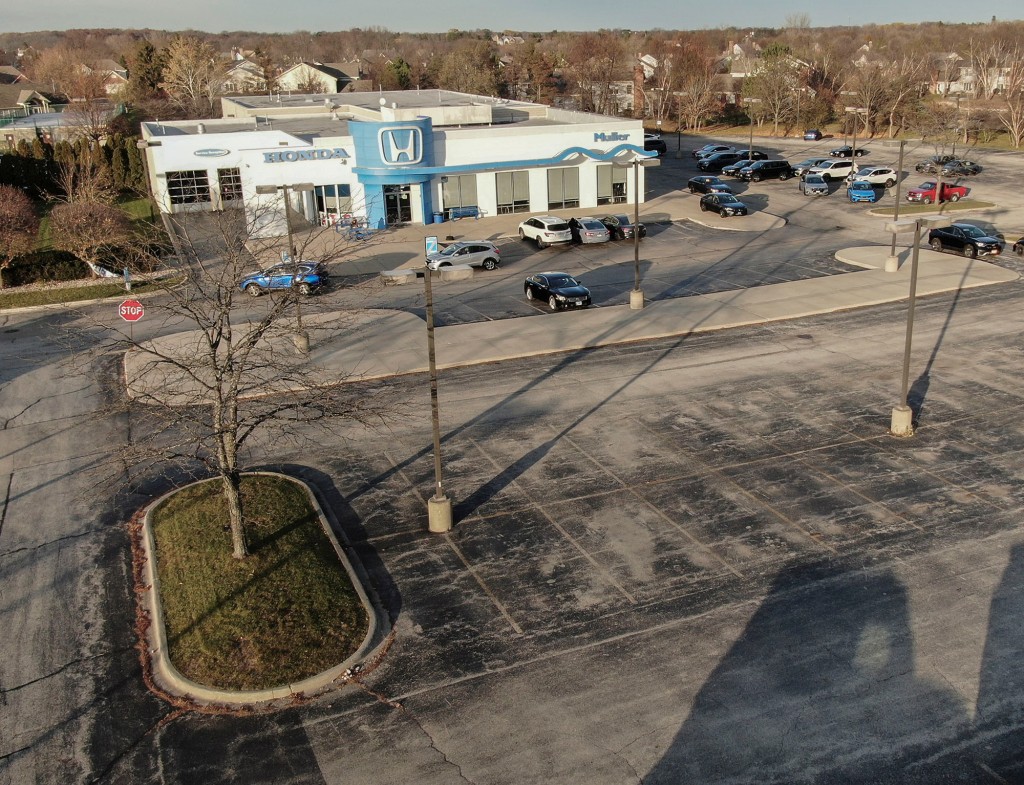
(490, 264)
(552, 303)
(529, 293)
(890, 183)
(757, 178)
(970, 251)
(937, 245)
(305, 289)
(1018, 249)
(522, 235)
(693, 190)
(541, 243)
(927, 200)
(253, 290)
(784, 176)
(954, 197)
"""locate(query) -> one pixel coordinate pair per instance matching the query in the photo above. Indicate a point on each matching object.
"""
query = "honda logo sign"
(400, 145)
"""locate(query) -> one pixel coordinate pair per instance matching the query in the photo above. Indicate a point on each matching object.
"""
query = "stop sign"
(130, 310)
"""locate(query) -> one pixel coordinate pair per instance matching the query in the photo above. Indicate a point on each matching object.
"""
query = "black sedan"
(707, 184)
(655, 144)
(620, 227)
(723, 204)
(960, 169)
(967, 239)
(558, 290)
(846, 151)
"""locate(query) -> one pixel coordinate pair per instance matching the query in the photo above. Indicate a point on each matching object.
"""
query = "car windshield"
(816, 179)
(591, 223)
(971, 230)
(861, 185)
(929, 186)
(451, 250)
(561, 281)
(622, 220)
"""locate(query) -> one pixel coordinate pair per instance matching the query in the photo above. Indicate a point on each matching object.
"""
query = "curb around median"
(167, 678)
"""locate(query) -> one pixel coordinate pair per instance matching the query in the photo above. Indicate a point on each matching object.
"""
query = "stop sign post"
(130, 310)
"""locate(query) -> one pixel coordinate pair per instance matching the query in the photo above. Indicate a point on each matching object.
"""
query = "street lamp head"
(925, 222)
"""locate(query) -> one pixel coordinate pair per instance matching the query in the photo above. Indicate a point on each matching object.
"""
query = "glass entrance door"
(397, 204)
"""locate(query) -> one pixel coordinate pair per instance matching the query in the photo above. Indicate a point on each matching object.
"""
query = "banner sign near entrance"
(431, 244)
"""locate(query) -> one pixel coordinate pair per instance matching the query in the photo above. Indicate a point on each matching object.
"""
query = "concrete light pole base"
(439, 514)
(902, 421)
(636, 299)
(302, 343)
(892, 264)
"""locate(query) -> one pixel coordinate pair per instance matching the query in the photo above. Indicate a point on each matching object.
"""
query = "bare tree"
(471, 68)
(696, 98)
(1012, 117)
(19, 226)
(595, 60)
(772, 86)
(206, 395)
(91, 231)
(191, 73)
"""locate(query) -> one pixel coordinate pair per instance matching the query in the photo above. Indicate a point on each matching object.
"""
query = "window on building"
(459, 191)
(563, 188)
(513, 192)
(230, 182)
(189, 187)
(332, 201)
(611, 184)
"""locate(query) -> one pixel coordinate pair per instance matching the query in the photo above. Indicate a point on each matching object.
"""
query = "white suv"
(876, 175)
(833, 169)
(545, 230)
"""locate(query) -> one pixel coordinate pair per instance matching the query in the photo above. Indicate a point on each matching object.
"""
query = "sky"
(275, 16)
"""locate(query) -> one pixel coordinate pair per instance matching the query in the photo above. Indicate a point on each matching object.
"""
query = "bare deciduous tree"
(206, 395)
(92, 231)
(191, 73)
(19, 226)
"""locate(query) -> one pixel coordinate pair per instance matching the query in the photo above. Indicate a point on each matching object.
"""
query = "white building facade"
(393, 157)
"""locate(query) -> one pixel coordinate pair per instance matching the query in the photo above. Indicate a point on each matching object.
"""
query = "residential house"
(328, 77)
(244, 76)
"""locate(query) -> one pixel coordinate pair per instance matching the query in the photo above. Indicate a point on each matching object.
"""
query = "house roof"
(15, 95)
(9, 75)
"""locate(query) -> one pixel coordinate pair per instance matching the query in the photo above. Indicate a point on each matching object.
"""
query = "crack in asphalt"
(6, 502)
(14, 417)
(86, 533)
(438, 750)
(4, 691)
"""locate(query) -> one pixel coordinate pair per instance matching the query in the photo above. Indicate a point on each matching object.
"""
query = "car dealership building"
(393, 157)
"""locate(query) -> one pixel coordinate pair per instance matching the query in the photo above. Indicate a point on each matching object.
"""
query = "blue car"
(312, 276)
(862, 191)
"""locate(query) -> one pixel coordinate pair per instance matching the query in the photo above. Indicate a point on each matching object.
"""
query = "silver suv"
(476, 253)
(545, 230)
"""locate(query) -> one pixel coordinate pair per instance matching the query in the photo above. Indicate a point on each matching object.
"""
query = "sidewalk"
(379, 343)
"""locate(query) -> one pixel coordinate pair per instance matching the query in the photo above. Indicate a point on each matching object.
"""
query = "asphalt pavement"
(685, 551)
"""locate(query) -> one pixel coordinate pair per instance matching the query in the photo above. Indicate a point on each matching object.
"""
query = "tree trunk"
(232, 495)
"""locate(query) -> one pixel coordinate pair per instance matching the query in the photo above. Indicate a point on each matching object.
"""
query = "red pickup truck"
(925, 192)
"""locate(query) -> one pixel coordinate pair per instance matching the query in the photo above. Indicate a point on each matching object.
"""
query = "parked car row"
(547, 230)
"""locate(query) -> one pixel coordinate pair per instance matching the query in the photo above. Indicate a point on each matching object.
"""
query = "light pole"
(750, 115)
(301, 337)
(439, 506)
(902, 422)
(636, 297)
(892, 264)
(856, 111)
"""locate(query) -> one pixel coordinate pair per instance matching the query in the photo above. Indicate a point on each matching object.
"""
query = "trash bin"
(439, 218)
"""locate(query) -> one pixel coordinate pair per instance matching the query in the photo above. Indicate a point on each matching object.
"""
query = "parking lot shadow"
(820, 687)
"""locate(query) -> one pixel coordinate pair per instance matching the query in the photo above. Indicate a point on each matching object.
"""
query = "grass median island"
(285, 613)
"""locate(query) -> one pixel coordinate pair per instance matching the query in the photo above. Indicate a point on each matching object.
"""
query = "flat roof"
(322, 115)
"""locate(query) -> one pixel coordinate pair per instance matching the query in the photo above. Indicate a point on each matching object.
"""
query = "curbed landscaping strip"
(168, 679)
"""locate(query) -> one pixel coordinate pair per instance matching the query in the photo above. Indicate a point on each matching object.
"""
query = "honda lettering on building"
(316, 154)
(400, 146)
